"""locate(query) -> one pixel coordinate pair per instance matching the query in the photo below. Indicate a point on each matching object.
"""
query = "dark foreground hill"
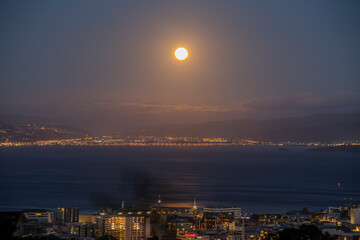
(321, 127)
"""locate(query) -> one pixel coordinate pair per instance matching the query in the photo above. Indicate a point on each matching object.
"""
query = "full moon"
(181, 53)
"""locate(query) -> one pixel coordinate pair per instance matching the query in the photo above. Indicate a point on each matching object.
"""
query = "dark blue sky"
(111, 63)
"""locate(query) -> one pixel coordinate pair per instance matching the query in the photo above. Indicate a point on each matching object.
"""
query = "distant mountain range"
(320, 127)
(29, 132)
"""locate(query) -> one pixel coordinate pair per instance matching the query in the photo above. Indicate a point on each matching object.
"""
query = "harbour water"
(255, 178)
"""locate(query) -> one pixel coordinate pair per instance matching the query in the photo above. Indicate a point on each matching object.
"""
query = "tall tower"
(159, 203)
(194, 207)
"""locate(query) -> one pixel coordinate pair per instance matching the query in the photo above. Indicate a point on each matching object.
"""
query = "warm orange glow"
(181, 53)
(190, 235)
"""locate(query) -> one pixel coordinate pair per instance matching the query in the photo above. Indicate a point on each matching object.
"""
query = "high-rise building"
(125, 225)
(68, 215)
(355, 216)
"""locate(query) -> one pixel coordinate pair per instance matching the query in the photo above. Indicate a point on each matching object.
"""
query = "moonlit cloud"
(305, 101)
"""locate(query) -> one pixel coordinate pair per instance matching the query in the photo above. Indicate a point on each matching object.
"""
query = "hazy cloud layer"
(305, 101)
(108, 116)
(296, 102)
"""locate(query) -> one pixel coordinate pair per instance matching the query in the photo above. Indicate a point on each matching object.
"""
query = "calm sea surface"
(257, 179)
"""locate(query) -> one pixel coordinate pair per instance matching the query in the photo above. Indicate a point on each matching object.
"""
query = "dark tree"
(50, 237)
(304, 232)
(7, 228)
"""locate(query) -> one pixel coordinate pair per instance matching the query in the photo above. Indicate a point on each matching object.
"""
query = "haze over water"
(257, 179)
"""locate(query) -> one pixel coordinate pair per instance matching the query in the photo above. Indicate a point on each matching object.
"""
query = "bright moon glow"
(181, 53)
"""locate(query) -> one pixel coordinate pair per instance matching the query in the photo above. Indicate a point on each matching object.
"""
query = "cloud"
(141, 107)
(154, 108)
(291, 102)
(296, 102)
(105, 116)
(305, 102)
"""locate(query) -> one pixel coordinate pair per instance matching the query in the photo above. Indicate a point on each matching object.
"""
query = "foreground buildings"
(156, 222)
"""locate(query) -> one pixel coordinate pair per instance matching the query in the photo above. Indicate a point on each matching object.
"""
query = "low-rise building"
(34, 222)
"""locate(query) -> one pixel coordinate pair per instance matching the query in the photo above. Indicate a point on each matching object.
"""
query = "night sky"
(110, 65)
